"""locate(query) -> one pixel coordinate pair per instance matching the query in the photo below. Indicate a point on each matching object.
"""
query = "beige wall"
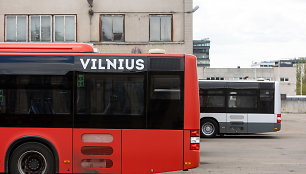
(286, 72)
(274, 74)
(136, 13)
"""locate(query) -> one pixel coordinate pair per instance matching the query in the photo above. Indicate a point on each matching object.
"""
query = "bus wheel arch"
(209, 127)
(30, 139)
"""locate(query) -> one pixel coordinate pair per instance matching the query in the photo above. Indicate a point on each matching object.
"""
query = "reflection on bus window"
(35, 95)
(111, 95)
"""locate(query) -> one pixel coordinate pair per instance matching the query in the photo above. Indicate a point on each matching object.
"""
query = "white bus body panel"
(262, 118)
(277, 103)
(220, 117)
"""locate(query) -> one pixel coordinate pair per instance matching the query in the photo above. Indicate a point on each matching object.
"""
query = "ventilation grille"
(169, 64)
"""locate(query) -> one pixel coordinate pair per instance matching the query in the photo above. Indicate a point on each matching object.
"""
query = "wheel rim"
(208, 129)
(32, 162)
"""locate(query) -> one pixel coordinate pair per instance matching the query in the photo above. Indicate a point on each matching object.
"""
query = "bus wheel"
(209, 128)
(32, 158)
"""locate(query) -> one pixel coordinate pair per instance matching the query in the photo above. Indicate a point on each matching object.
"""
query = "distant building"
(285, 75)
(201, 51)
(274, 63)
(263, 64)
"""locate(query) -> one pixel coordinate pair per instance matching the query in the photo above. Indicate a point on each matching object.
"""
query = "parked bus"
(66, 109)
(239, 107)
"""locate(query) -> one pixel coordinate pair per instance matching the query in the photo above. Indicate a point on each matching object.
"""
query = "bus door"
(96, 139)
(97, 151)
(237, 123)
(236, 116)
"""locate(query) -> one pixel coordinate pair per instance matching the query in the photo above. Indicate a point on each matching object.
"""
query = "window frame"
(171, 25)
(40, 21)
(75, 28)
(101, 32)
(28, 27)
(16, 34)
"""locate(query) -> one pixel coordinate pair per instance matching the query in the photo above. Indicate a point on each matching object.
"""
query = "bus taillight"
(194, 133)
(279, 118)
(195, 140)
(195, 146)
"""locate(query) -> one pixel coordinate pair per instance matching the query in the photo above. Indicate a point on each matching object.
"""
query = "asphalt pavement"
(282, 152)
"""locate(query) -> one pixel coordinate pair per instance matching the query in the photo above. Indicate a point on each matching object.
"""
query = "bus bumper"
(277, 127)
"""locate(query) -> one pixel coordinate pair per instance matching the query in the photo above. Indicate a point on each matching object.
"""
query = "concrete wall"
(293, 106)
(136, 12)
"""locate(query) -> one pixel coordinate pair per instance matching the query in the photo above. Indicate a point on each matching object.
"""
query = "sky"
(242, 31)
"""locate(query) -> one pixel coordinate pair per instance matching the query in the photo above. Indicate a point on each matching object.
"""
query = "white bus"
(239, 107)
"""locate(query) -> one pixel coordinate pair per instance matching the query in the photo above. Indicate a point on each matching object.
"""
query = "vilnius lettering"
(116, 64)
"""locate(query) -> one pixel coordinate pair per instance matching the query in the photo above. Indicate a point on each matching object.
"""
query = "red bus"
(66, 109)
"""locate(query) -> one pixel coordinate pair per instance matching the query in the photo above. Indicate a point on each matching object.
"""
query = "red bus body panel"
(78, 156)
(61, 138)
(191, 111)
(192, 101)
(144, 151)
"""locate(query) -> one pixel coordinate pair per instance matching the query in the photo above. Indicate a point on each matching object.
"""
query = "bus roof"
(45, 48)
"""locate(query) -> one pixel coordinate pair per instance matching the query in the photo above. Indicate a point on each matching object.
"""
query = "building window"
(112, 28)
(16, 28)
(283, 79)
(64, 28)
(161, 28)
(38, 28)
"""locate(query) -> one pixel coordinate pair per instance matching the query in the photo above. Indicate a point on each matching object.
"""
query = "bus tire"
(209, 128)
(32, 157)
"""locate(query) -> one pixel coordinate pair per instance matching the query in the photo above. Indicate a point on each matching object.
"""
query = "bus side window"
(111, 101)
(266, 101)
(242, 101)
(213, 100)
(2, 101)
(111, 95)
(36, 95)
(165, 102)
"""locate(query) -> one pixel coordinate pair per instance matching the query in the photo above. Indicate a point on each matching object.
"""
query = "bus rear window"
(166, 88)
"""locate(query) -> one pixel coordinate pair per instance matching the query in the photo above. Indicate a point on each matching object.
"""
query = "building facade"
(201, 51)
(127, 27)
(285, 75)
